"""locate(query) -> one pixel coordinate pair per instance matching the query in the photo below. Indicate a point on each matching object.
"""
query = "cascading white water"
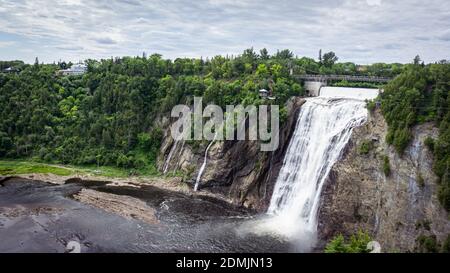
(323, 128)
(169, 157)
(349, 92)
(202, 168)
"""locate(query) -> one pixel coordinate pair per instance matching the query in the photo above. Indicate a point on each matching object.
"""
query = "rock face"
(394, 208)
(236, 169)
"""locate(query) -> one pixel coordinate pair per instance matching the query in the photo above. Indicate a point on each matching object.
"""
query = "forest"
(109, 115)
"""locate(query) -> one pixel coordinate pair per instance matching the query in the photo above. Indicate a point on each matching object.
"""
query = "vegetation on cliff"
(421, 94)
(430, 244)
(357, 243)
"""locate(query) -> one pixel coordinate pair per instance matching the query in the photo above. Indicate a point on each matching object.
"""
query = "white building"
(11, 70)
(76, 69)
(263, 93)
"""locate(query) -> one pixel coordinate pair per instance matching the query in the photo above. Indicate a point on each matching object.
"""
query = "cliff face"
(238, 170)
(396, 208)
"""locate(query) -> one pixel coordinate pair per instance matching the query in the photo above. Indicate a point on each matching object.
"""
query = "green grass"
(106, 171)
(11, 167)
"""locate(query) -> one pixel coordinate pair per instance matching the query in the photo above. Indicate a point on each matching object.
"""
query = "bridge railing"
(342, 77)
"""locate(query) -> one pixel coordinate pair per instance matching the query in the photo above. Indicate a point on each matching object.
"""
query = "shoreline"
(174, 184)
(42, 213)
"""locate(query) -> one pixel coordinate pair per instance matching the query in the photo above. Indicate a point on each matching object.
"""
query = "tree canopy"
(108, 116)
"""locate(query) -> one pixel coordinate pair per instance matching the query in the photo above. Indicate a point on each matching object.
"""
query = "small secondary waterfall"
(169, 157)
(179, 156)
(202, 168)
(323, 128)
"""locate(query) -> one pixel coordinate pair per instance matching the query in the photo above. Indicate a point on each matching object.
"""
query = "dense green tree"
(329, 59)
(356, 244)
(284, 54)
(264, 54)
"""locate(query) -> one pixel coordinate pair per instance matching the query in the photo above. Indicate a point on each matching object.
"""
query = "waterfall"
(202, 168)
(179, 156)
(169, 157)
(349, 92)
(322, 130)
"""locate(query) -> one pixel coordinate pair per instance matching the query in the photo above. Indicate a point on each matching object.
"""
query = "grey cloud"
(392, 46)
(362, 50)
(105, 41)
(130, 2)
(70, 48)
(445, 36)
(422, 38)
(353, 29)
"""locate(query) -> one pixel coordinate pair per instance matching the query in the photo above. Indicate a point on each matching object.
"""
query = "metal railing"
(325, 78)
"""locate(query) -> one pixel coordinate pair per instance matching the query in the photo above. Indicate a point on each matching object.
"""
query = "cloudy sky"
(363, 31)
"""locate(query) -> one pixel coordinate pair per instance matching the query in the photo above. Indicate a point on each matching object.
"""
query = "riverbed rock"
(126, 206)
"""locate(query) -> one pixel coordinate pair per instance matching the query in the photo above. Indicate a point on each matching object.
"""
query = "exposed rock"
(126, 206)
(20, 211)
(3, 179)
(173, 184)
(237, 170)
(395, 209)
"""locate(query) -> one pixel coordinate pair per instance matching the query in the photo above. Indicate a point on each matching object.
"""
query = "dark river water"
(37, 216)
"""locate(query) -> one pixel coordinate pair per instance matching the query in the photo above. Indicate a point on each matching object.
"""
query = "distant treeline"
(345, 83)
(19, 65)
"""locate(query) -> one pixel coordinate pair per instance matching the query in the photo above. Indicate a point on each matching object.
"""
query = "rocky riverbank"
(174, 184)
(120, 216)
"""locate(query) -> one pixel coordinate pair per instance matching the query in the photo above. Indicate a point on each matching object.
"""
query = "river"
(36, 216)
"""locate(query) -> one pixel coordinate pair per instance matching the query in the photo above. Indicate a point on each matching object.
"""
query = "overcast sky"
(362, 31)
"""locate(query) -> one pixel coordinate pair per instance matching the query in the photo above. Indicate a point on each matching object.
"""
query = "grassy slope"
(11, 167)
